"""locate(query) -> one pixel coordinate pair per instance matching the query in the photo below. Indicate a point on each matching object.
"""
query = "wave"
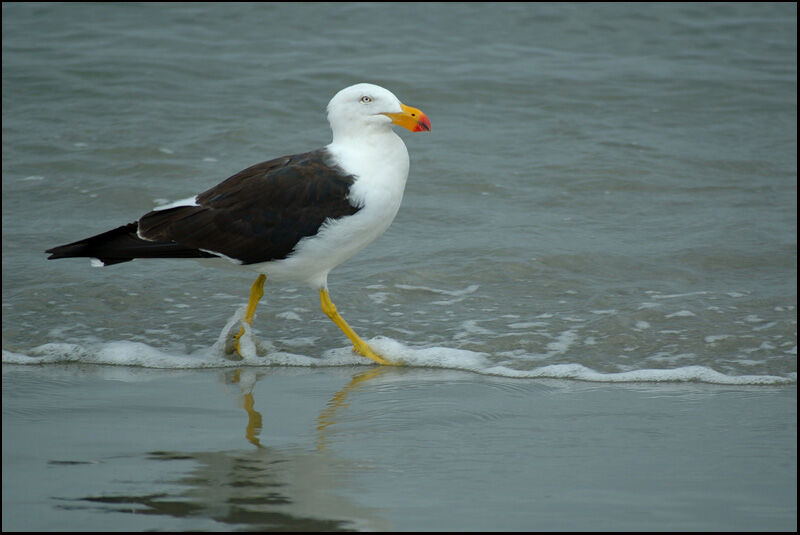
(137, 354)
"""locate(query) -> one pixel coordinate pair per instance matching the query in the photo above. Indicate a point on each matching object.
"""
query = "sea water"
(608, 193)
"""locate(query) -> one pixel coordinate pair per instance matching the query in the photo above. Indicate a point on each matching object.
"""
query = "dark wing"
(122, 245)
(258, 214)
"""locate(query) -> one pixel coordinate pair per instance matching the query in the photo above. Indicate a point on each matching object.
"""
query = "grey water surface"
(592, 278)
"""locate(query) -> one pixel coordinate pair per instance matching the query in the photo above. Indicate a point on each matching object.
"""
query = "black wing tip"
(78, 251)
(104, 253)
(72, 250)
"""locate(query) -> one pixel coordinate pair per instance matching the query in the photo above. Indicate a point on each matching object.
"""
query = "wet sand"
(122, 448)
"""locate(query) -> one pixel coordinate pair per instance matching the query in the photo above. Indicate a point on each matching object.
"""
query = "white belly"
(338, 240)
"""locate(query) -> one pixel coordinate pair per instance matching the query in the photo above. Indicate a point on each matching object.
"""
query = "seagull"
(294, 218)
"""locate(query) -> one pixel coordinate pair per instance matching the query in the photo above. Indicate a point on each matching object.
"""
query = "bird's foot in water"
(244, 344)
(364, 350)
(237, 345)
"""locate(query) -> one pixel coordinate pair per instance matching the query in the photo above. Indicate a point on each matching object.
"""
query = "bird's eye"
(366, 99)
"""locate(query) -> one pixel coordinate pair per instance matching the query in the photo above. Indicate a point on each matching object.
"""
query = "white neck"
(378, 161)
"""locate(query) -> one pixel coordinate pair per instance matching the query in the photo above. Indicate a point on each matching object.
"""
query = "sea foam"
(137, 354)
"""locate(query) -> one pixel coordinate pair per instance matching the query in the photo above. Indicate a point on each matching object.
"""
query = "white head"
(364, 108)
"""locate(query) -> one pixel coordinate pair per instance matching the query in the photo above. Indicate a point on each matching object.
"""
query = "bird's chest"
(339, 239)
(379, 202)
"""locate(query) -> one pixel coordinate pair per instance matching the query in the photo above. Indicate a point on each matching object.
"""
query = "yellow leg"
(256, 292)
(358, 344)
(253, 420)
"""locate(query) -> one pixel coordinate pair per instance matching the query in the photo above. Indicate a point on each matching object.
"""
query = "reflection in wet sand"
(327, 417)
(264, 489)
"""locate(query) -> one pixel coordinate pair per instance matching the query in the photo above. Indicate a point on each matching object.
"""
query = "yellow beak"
(410, 118)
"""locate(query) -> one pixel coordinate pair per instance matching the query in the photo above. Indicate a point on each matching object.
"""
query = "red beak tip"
(423, 125)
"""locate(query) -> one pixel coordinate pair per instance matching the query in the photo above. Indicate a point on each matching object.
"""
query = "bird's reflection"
(254, 419)
(326, 418)
(264, 489)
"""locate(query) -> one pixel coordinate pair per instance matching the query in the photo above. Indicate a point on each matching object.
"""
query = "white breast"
(381, 169)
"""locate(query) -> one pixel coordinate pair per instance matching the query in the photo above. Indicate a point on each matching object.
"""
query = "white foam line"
(141, 355)
(699, 374)
(681, 314)
(673, 296)
(454, 293)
